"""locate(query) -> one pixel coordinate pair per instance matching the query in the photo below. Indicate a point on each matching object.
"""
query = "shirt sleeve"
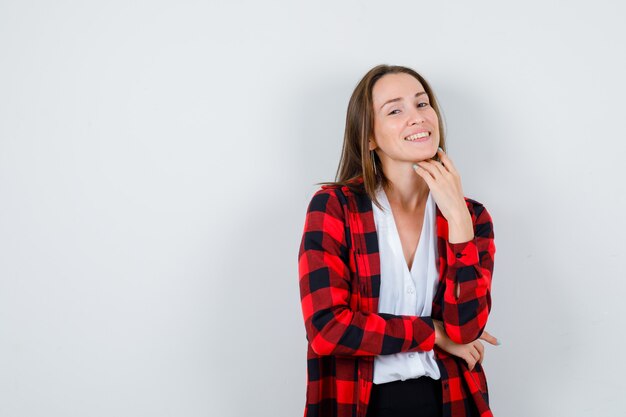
(470, 264)
(332, 327)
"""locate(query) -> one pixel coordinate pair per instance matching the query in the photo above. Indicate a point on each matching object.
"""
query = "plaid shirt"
(339, 273)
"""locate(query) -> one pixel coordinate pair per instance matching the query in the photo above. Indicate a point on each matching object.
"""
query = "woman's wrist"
(439, 332)
(460, 228)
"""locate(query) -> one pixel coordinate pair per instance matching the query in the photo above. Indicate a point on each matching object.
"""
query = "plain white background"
(157, 159)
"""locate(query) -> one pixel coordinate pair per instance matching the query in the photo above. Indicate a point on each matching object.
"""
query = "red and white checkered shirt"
(339, 273)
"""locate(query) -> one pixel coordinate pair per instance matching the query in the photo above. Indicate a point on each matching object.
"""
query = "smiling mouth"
(417, 136)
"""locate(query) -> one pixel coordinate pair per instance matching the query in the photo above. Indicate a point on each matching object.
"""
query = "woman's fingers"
(475, 351)
(425, 174)
(434, 168)
(481, 350)
(489, 338)
(471, 360)
(471, 353)
(447, 162)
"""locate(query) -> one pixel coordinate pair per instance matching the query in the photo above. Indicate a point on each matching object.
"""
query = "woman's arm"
(471, 353)
(333, 328)
(467, 296)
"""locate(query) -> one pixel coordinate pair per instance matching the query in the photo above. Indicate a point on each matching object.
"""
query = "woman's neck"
(406, 190)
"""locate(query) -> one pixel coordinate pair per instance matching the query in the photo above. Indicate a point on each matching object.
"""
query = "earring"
(373, 162)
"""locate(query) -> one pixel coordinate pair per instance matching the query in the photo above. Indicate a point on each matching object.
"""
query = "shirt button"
(458, 255)
(411, 355)
(410, 290)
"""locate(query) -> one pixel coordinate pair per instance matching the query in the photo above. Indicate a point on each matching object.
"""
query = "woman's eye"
(422, 104)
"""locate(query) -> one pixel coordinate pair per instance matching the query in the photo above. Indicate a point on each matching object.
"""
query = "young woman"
(395, 266)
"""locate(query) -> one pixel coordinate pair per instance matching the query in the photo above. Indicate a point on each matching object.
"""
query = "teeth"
(417, 136)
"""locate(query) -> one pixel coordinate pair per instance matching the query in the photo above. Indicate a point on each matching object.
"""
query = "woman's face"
(402, 110)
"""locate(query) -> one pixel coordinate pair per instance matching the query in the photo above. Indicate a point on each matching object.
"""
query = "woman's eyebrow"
(400, 98)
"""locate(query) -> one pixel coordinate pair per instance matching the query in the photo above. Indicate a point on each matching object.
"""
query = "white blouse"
(404, 292)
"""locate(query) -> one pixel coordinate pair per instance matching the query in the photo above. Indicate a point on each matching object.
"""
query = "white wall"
(157, 158)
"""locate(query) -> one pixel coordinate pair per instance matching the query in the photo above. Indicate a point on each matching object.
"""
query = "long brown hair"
(355, 156)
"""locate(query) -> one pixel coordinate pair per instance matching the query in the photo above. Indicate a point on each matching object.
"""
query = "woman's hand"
(470, 352)
(444, 182)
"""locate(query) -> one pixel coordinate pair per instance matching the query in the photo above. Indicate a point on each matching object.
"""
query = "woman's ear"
(372, 145)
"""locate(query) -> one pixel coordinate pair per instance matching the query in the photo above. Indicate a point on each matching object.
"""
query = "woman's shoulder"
(328, 198)
(336, 198)
(342, 189)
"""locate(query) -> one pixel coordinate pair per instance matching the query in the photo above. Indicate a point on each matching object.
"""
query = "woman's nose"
(415, 116)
